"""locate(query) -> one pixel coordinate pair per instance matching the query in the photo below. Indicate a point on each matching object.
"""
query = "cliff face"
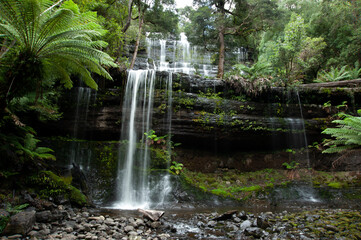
(216, 125)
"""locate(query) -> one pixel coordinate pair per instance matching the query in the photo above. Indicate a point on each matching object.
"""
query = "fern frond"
(347, 134)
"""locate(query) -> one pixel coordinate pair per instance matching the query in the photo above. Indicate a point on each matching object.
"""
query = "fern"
(51, 43)
(335, 74)
(346, 135)
(21, 141)
(356, 71)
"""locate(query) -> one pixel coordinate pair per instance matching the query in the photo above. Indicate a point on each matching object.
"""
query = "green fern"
(335, 74)
(356, 71)
(22, 141)
(347, 134)
(51, 43)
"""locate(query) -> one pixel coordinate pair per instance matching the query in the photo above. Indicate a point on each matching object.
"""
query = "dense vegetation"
(48, 45)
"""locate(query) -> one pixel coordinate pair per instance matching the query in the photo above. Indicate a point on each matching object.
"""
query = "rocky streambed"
(66, 222)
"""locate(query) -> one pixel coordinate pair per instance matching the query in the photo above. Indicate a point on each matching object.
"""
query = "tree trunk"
(141, 20)
(129, 19)
(221, 23)
(221, 54)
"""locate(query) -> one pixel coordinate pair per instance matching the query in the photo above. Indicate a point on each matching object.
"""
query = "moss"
(48, 184)
(335, 184)
(77, 197)
(221, 192)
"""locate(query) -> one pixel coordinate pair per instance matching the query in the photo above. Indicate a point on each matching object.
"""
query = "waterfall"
(179, 56)
(136, 188)
(132, 179)
(304, 131)
(78, 154)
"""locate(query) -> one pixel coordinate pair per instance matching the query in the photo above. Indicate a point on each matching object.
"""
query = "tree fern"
(347, 134)
(51, 43)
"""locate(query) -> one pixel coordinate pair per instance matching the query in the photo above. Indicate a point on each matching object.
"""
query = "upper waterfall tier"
(180, 56)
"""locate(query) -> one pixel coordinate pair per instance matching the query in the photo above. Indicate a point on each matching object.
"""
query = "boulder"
(20, 223)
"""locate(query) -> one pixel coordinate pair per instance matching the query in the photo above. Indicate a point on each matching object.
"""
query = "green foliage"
(292, 165)
(335, 185)
(50, 43)
(20, 139)
(333, 75)
(49, 184)
(210, 94)
(221, 192)
(176, 168)
(3, 222)
(152, 138)
(354, 72)
(15, 209)
(347, 134)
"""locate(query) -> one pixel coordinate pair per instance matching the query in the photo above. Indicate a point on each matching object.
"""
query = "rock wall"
(209, 120)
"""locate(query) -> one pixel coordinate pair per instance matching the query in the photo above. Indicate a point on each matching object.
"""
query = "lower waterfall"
(136, 186)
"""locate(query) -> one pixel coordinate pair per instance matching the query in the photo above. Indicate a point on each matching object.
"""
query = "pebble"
(78, 224)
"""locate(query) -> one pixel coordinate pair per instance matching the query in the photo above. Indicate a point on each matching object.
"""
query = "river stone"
(155, 224)
(16, 236)
(20, 223)
(246, 224)
(129, 228)
(255, 232)
(212, 223)
(262, 222)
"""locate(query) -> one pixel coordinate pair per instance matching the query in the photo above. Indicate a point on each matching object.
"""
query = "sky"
(183, 3)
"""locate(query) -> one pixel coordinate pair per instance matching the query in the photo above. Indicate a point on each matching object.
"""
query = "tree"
(240, 18)
(152, 12)
(48, 43)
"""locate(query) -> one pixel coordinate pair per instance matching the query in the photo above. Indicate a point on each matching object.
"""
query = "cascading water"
(78, 154)
(136, 187)
(133, 189)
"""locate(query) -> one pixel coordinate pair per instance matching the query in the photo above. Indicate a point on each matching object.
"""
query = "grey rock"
(246, 224)
(20, 223)
(255, 232)
(129, 228)
(15, 236)
(262, 222)
(155, 224)
(212, 223)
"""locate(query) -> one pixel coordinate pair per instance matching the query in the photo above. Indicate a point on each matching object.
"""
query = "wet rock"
(15, 236)
(262, 222)
(226, 215)
(155, 225)
(246, 224)
(129, 228)
(212, 223)
(255, 232)
(47, 216)
(153, 215)
(97, 218)
(20, 223)
(242, 215)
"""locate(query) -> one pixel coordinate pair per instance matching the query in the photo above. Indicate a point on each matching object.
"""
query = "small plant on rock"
(176, 168)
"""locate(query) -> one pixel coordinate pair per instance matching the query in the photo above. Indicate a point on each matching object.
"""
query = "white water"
(77, 154)
(180, 56)
(136, 188)
(133, 189)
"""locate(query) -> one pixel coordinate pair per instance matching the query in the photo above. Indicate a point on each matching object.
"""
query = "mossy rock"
(49, 184)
